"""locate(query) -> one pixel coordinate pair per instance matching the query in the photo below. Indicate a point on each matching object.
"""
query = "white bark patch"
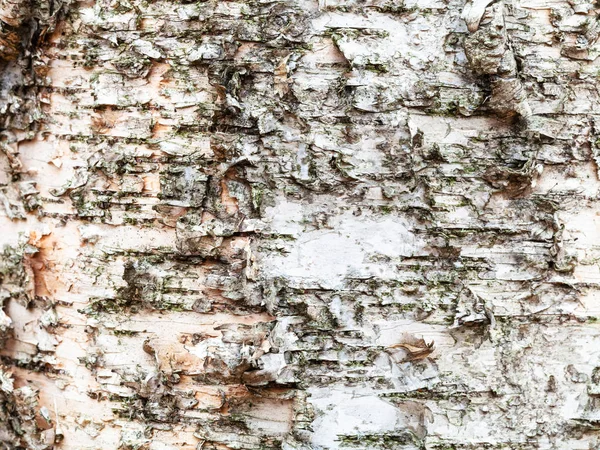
(349, 250)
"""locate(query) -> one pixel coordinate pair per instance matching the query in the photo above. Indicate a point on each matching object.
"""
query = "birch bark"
(299, 224)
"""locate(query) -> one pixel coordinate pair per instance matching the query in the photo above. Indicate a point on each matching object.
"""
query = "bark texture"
(299, 224)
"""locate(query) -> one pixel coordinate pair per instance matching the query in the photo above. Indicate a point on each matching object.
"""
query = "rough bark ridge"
(299, 224)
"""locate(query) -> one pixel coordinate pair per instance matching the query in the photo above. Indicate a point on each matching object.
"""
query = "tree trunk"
(333, 224)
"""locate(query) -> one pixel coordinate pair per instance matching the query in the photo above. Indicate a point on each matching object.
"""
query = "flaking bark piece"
(415, 347)
(473, 13)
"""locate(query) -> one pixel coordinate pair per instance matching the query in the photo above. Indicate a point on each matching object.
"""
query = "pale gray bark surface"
(299, 224)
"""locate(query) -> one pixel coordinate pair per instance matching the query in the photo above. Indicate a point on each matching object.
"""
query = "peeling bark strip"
(489, 53)
(299, 225)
